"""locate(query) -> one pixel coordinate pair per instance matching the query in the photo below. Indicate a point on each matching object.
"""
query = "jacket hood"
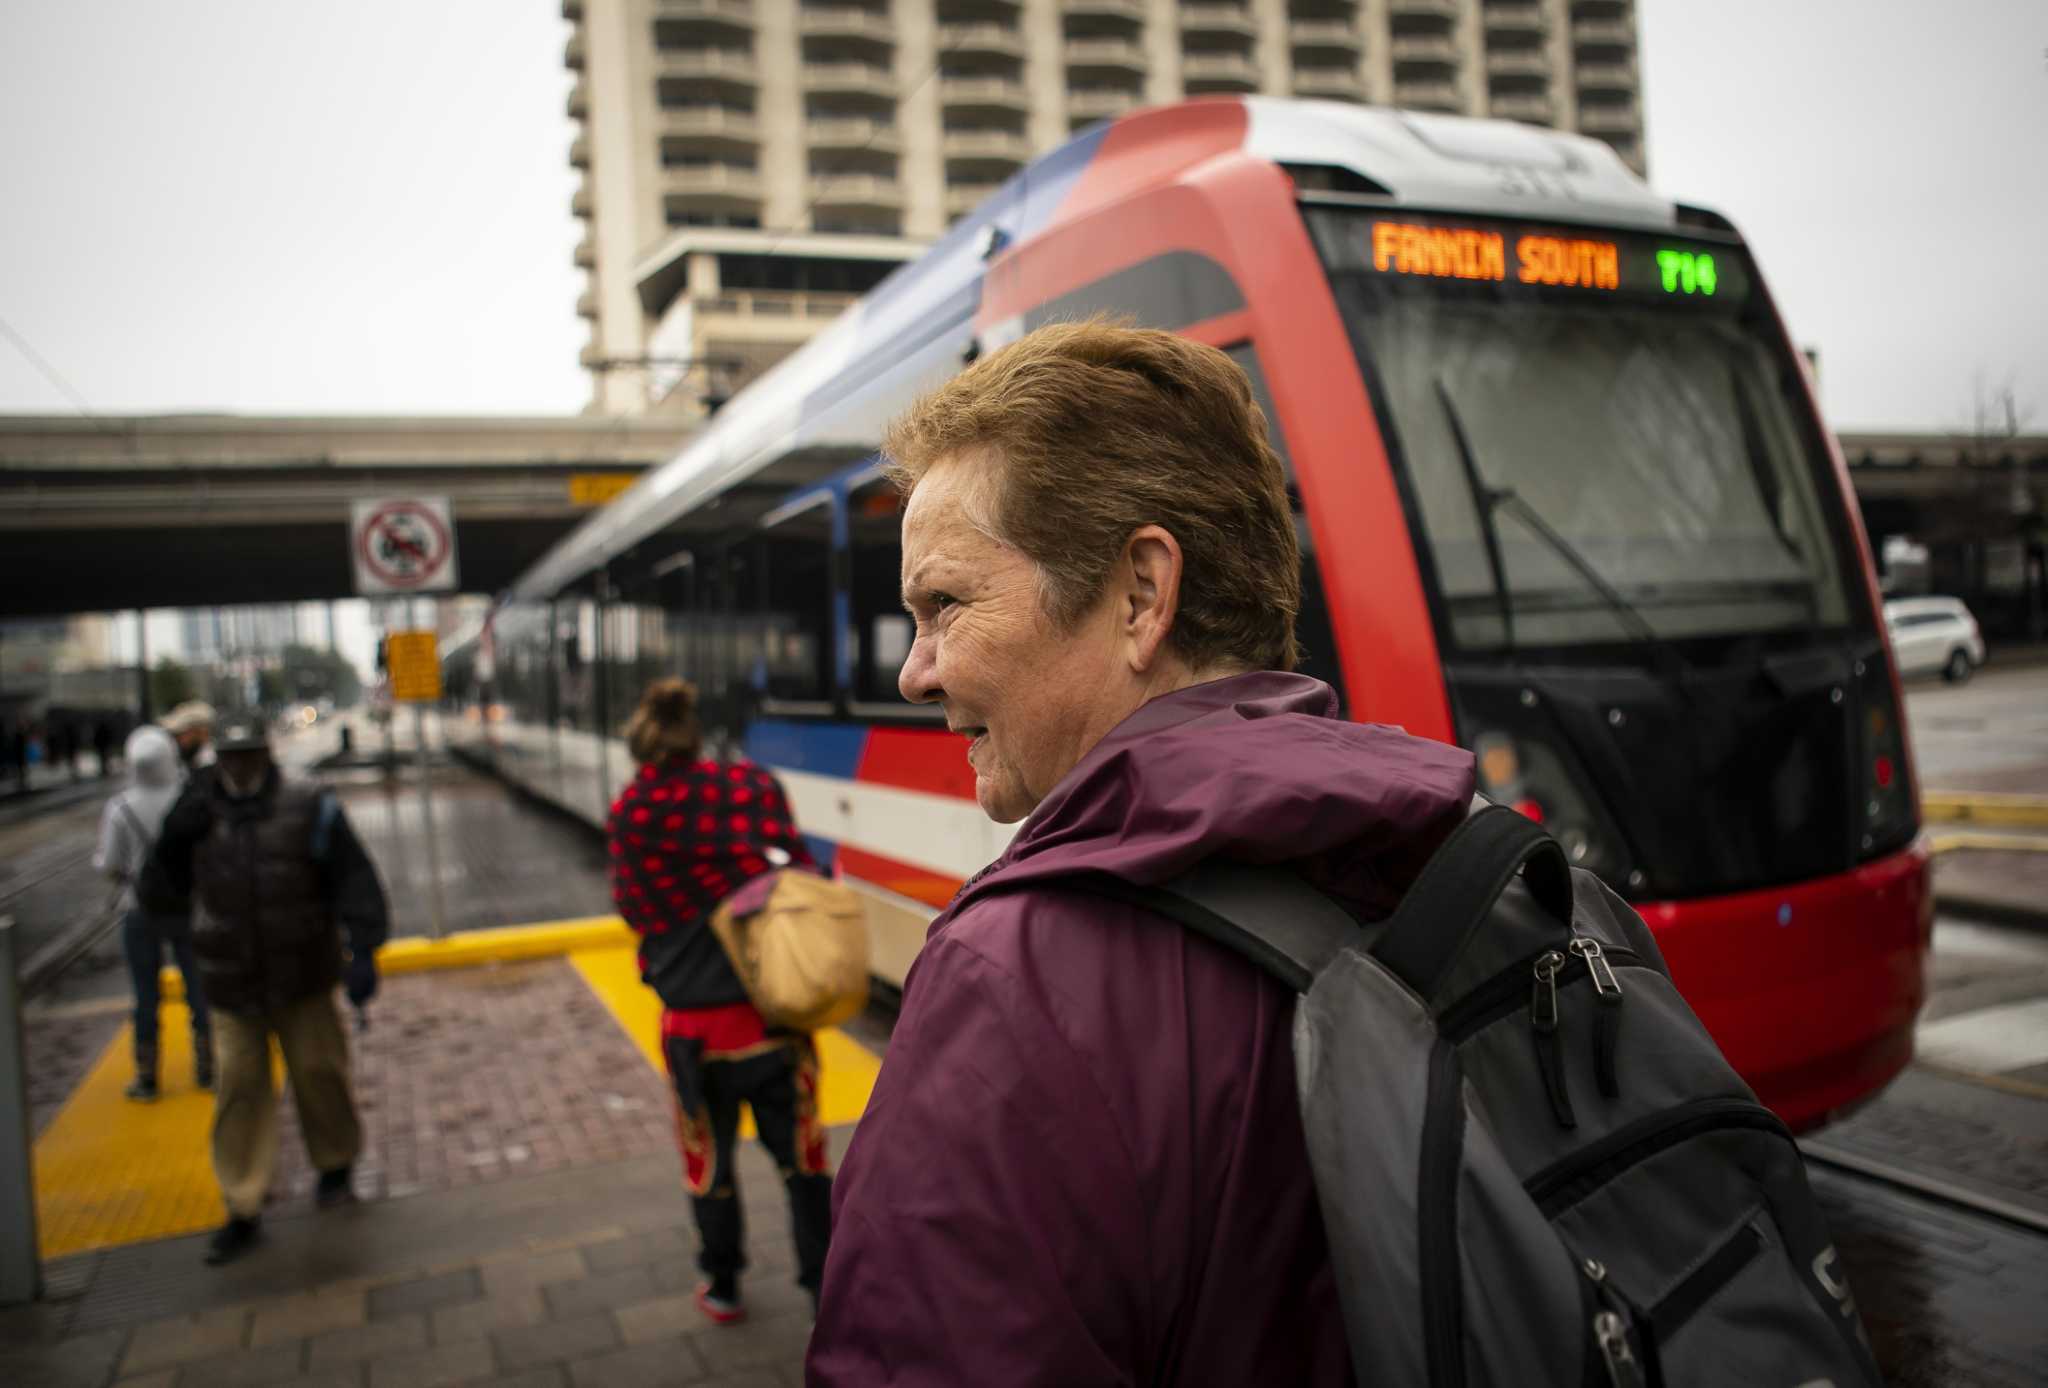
(1255, 768)
(152, 758)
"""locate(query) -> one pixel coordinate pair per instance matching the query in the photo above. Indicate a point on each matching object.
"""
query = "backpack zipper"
(1606, 1017)
(1543, 1019)
(1502, 994)
(1570, 1179)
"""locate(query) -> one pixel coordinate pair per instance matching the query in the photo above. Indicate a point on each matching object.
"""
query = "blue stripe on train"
(823, 749)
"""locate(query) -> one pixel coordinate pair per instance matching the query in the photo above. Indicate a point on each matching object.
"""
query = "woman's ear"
(1151, 573)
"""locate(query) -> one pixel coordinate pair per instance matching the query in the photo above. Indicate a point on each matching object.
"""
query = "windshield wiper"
(1767, 483)
(1490, 499)
(1482, 502)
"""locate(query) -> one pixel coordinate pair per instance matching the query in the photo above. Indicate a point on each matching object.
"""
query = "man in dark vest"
(278, 879)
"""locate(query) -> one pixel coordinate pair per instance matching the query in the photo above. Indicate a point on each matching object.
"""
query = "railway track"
(1927, 1187)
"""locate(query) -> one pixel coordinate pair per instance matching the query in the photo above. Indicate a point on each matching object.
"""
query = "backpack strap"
(1266, 914)
(1457, 888)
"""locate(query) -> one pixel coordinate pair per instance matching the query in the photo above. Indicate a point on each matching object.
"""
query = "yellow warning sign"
(596, 488)
(414, 666)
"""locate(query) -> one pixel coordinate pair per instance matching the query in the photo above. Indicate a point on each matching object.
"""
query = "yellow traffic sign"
(413, 665)
(596, 488)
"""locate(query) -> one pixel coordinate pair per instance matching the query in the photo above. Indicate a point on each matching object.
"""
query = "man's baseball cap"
(193, 713)
(241, 735)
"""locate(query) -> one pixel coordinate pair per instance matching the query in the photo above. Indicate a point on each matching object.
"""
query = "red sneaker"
(717, 1309)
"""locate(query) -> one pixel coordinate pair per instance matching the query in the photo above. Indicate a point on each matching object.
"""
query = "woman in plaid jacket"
(685, 834)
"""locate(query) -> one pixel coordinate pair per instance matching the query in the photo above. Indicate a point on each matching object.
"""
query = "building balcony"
(572, 52)
(725, 182)
(592, 356)
(962, 198)
(1535, 107)
(774, 303)
(1429, 96)
(1427, 51)
(1330, 83)
(586, 252)
(987, 144)
(1445, 10)
(586, 304)
(1325, 33)
(580, 204)
(845, 22)
(1528, 62)
(1606, 77)
(715, 123)
(730, 14)
(579, 152)
(1524, 20)
(708, 64)
(1006, 93)
(1126, 54)
(861, 192)
(579, 100)
(850, 79)
(1610, 120)
(1101, 103)
(1000, 40)
(1132, 11)
(1618, 33)
(1233, 20)
(852, 132)
(1600, 9)
(1219, 72)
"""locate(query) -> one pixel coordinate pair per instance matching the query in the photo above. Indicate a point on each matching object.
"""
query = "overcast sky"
(269, 205)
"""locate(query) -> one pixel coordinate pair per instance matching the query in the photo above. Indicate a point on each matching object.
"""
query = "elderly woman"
(1083, 1162)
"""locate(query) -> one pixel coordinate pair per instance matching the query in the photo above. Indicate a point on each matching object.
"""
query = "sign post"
(21, 1275)
(414, 667)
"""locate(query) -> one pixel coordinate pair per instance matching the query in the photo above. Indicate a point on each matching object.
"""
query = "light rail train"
(1564, 494)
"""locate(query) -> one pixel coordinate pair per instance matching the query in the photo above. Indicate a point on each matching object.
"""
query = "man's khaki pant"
(245, 1104)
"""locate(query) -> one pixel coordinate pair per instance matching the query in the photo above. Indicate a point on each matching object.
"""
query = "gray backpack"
(1535, 1166)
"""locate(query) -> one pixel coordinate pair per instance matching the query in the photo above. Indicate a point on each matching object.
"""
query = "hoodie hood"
(155, 775)
(1256, 768)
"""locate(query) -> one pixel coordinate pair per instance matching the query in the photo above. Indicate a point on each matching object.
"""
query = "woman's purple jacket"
(1083, 1162)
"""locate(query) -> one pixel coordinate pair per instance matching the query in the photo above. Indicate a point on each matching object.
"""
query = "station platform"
(522, 1219)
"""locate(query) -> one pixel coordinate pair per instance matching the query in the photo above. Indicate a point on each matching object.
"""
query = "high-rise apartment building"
(751, 166)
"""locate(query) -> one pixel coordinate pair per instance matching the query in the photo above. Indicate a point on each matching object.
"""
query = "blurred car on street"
(1934, 634)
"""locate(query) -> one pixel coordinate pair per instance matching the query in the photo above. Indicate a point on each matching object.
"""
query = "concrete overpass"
(197, 510)
(193, 510)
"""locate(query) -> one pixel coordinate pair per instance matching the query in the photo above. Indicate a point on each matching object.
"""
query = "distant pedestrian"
(279, 881)
(128, 833)
(17, 752)
(103, 744)
(686, 833)
(64, 746)
(191, 723)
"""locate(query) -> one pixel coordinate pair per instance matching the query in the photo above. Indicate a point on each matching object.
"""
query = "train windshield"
(1597, 431)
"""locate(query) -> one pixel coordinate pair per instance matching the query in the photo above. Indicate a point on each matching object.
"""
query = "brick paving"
(474, 1075)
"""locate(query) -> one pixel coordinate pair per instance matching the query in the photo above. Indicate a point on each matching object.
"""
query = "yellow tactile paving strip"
(109, 1171)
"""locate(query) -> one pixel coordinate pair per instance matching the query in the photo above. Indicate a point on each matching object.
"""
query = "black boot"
(232, 1240)
(335, 1188)
(142, 1089)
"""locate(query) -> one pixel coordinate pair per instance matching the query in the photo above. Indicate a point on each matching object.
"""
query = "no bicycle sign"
(403, 545)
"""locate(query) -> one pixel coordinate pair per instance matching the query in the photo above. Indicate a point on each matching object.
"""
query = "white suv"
(1930, 634)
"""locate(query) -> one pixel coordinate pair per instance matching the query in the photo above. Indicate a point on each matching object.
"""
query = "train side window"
(881, 629)
(1312, 630)
(792, 664)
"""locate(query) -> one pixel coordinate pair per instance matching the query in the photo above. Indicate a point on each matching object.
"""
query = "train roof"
(798, 422)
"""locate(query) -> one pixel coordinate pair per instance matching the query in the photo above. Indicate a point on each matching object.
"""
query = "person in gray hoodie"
(129, 828)
(1083, 1162)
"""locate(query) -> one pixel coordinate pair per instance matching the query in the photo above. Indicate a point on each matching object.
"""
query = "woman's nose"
(918, 680)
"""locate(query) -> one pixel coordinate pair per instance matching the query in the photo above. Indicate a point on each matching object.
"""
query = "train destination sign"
(1425, 247)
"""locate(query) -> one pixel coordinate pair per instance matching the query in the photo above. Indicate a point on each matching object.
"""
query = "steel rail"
(1925, 1186)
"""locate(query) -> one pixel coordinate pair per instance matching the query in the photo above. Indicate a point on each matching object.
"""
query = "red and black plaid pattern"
(686, 835)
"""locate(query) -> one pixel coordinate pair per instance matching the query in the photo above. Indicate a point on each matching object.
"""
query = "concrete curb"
(503, 945)
(1988, 911)
(1985, 807)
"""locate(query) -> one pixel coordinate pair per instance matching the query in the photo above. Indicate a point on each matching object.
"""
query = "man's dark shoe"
(142, 1089)
(202, 1071)
(335, 1188)
(231, 1240)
